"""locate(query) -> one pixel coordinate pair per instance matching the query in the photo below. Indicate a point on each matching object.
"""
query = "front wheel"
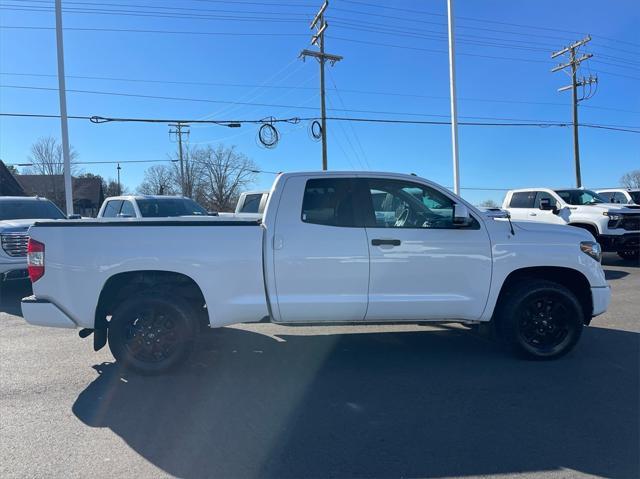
(630, 254)
(540, 319)
(151, 334)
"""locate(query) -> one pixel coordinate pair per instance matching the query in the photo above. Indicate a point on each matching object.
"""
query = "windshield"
(163, 207)
(580, 197)
(635, 196)
(29, 209)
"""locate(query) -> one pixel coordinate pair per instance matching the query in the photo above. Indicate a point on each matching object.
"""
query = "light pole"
(454, 106)
(62, 91)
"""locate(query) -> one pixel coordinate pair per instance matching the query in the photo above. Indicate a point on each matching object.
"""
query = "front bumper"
(623, 242)
(40, 312)
(601, 298)
(13, 270)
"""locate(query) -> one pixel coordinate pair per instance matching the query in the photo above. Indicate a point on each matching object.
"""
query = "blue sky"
(249, 54)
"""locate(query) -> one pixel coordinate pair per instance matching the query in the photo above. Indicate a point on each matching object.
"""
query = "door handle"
(533, 214)
(380, 242)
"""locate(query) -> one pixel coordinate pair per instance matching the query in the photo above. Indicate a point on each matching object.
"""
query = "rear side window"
(329, 202)
(112, 209)
(523, 199)
(251, 204)
(619, 198)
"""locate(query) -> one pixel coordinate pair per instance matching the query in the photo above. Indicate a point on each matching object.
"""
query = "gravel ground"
(292, 402)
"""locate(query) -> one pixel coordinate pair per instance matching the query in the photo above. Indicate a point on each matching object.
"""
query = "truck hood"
(568, 233)
(607, 207)
(17, 224)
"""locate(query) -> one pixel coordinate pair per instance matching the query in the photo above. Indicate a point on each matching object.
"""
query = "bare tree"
(227, 172)
(193, 173)
(631, 179)
(489, 204)
(109, 187)
(158, 180)
(46, 158)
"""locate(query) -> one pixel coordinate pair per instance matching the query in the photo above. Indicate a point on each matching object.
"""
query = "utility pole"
(119, 188)
(318, 39)
(180, 129)
(454, 101)
(62, 92)
(573, 64)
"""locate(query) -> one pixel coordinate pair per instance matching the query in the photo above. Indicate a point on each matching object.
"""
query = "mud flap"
(99, 338)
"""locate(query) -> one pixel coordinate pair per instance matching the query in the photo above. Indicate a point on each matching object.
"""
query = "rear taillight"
(35, 260)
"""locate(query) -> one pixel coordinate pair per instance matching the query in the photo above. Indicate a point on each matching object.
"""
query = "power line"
(295, 120)
(169, 32)
(485, 21)
(296, 87)
(156, 8)
(137, 13)
(293, 107)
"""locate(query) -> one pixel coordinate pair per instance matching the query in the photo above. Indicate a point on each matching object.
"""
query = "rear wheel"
(540, 319)
(151, 334)
(630, 254)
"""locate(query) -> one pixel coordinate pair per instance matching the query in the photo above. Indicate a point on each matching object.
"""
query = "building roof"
(87, 189)
(8, 184)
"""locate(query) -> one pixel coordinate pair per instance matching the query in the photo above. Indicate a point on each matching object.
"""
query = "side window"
(112, 209)
(543, 195)
(329, 202)
(619, 198)
(251, 204)
(523, 199)
(401, 204)
(127, 210)
(609, 196)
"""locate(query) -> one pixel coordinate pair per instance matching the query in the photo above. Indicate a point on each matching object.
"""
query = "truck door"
(521, 206)
(321, 256)
(422, 265)
(547, 216)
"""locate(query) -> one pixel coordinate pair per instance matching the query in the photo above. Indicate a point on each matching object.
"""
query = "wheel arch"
(590, 227)
(572, 279)
(121, 285)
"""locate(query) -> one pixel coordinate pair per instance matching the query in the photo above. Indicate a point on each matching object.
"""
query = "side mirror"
(461, 216)
(545, 205)
(74, 217)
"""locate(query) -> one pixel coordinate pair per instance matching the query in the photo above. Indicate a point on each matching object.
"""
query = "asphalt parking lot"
(278, 402)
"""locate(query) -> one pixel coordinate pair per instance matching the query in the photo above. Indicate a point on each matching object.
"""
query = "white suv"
(625, 196)
(616, 227)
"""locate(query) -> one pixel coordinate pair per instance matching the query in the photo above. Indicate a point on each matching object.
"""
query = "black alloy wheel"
(540, 319)
(151, 334)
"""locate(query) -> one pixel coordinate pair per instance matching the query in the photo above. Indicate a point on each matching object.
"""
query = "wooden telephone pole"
(318, 39)
(180, 129)
(573, 64)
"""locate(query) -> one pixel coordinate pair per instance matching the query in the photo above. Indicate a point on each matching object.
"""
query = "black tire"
(151, 334)
(540, 319)
(630, 254)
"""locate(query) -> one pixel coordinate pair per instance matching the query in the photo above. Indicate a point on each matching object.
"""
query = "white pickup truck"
(616, 227)
(335, 247)
(149, 206)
